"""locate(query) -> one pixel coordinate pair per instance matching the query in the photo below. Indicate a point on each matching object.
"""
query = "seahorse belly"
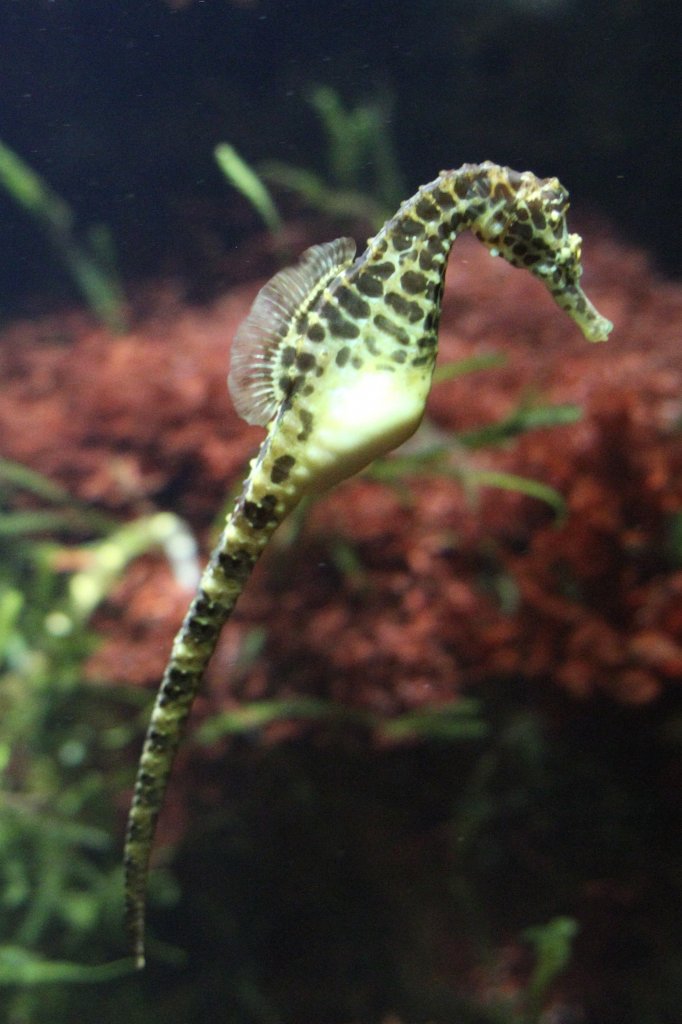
(361, 418)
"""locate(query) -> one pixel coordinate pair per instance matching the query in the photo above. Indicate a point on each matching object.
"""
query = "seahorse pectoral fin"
(258, 344)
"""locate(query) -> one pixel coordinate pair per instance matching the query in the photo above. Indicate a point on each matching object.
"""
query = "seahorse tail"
(191, 652)
(222, 582)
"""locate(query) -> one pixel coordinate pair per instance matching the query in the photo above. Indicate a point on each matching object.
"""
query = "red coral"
(447, 591)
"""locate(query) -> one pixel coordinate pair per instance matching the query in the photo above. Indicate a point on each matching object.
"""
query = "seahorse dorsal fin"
(260, 335)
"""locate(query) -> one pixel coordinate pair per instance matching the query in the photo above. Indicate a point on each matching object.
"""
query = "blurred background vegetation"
(120, 107)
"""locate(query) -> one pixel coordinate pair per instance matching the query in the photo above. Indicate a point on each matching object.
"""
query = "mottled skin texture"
(350, 379)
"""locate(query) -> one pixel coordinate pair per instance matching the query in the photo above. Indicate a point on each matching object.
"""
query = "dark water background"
(119, 105)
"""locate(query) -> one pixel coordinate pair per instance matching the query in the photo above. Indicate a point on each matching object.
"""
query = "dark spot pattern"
(305, 361)
(426, 260)
(157, 741)
(412, 311)
(352, 303)
(383, 270)
(401, 240)
(391, 328)
(462, 185)
(413, 282)
(337, 324)
(342, 356)
(501, 192)
(307, 421)
(444, 199)
(412, 228)
(179, 676)
(175, 685)
(481, 186)
(202, 631)
(204, 608)
(260, 514)
(538, 217)
(427, 209)
(236, 565)
(524, 231)
(281, 468)
(370, 285)
(316, 333)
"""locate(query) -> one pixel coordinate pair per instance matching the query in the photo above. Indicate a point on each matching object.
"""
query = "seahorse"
(336, 359)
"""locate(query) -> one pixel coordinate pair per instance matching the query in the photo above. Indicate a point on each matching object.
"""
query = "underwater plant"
(336, 360)
(61, 741)
(90, 263)
(358, 147)
(243, 178)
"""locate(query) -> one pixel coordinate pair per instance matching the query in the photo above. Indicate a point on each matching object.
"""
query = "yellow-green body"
(336, 358)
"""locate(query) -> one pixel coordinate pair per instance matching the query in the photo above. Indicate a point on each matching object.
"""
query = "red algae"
(394, 597)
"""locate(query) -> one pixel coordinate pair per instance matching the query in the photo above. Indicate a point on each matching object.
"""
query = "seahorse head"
(531, 232)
